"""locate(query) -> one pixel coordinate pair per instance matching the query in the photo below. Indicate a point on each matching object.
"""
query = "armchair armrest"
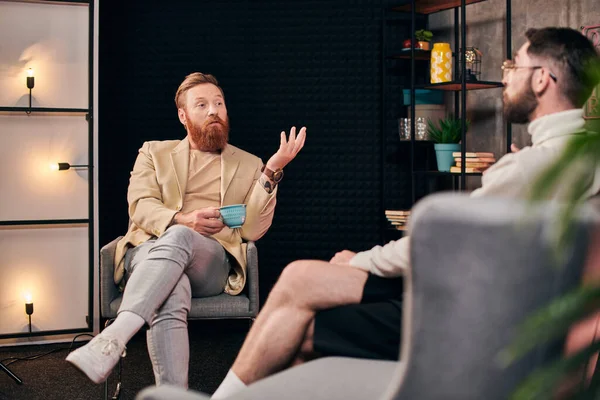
(108, 290)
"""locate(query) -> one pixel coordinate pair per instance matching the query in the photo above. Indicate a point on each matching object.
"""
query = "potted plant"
(422, 37)
(555, 320)
(446, 136)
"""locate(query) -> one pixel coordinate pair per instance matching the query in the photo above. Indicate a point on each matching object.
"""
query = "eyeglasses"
(509, 65)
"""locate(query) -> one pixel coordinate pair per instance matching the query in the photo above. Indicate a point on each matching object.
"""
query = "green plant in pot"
(556, 319)
(422, 38)
(446, 137)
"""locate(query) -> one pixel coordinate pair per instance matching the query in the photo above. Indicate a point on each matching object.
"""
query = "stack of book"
(398, 218)
(474, 162)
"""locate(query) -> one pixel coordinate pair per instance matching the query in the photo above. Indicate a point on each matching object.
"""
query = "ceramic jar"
(441, 63)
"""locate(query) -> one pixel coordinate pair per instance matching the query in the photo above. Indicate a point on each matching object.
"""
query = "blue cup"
(234, 215)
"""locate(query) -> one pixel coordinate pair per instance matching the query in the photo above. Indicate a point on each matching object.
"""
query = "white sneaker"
(98, 358)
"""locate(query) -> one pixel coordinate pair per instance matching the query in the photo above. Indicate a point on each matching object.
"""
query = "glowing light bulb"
(470, 56)
(54, 167)
(30, 82)
(28, 298)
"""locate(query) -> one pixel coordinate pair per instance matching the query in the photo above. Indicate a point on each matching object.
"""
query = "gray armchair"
(479, 268)
(244, 305)
(223, 306)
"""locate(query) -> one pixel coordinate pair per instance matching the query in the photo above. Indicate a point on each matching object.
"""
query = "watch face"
(277, 176)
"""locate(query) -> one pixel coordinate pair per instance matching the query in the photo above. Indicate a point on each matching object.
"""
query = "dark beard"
(519, 110)
(209, 137)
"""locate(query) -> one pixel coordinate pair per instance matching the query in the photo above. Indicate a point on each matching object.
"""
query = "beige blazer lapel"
(180, 158)
(229, 166)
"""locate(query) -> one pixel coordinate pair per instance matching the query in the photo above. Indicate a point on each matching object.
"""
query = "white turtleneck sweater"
(512, 176)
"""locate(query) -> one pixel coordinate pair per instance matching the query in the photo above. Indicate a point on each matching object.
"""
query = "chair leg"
(117, 394)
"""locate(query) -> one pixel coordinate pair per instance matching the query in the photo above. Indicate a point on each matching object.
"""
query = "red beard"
(212, 135)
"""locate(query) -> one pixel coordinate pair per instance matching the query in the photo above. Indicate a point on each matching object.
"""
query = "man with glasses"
(351, 306)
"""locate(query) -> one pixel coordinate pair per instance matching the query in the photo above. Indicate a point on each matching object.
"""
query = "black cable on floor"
(36, 356)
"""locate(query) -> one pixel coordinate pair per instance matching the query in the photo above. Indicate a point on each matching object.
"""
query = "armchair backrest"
(480, 267)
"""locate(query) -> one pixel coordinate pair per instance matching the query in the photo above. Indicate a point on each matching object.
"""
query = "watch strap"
(276, 176)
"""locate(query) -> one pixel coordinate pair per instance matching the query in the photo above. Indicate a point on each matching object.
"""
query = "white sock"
(125, 326)
(230, 385)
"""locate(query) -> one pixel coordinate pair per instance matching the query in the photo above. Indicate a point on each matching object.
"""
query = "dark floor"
(213, 347)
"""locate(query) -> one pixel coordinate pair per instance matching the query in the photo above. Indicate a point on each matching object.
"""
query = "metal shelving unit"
(460, 86)
(87, 113)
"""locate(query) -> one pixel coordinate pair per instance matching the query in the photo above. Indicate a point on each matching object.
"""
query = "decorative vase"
(443, 155)
(441, 63)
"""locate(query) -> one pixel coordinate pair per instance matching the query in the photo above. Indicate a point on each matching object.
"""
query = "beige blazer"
(157, 187)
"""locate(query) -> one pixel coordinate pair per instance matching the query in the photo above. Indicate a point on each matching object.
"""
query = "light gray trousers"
(162, 276)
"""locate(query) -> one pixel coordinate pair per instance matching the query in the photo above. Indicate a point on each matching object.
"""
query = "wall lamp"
(30, 85)
(63, 166)
(29, 308)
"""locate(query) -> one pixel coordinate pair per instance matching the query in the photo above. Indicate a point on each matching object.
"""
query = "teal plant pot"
(443, 154)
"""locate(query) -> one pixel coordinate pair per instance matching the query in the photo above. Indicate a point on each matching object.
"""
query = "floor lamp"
(10, 373)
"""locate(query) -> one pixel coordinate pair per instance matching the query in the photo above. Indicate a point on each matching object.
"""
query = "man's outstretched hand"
(205, 221)
(288, 149)
(343, 257)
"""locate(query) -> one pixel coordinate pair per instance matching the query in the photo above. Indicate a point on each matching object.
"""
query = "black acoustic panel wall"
(280, 63)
